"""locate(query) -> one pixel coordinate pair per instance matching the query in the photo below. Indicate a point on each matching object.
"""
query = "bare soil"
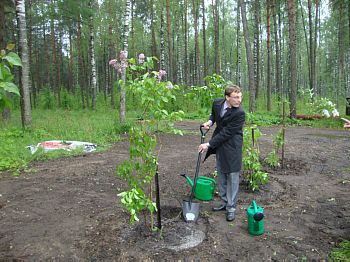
(68, 209)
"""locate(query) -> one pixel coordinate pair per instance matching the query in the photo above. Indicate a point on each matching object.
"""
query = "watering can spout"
(188, 179)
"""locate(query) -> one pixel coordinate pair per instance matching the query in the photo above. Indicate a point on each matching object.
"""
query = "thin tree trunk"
(277, 51)
(216, 36)
(311, 47)
(292, 58)
(249, 58)
(125, 50)
(313, 73)
(111, 53)
(306, 41)
(71, 82)
(268, 47)
(80, 63)
(162, 42)
(170, 44)
(153, 29)
(204, 40)
(6, 113)
(348, 83)
(92, 57)
(2, 25)
(195, 12)
(186, 78)
(25, 79)
(54, 66)
(238, 45)
(256, 50)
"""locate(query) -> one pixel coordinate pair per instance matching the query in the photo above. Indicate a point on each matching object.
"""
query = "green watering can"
(255, 219)
(204, 189)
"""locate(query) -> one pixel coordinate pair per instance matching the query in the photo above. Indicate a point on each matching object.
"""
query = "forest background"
(276, 50)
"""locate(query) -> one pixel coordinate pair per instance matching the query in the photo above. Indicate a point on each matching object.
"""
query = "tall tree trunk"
(25, 80)
(71, 82)
(277, 50)
(268, 47)
(223, 57)
(256, 50)
(313, 73)
(2, 25)
(6, 113)
(197, 66)
(132, 50)
(238, 45)
(125, 50)
(170, 44)
(292, 44)
(153, 29)
(348, 83)
(204, 40)
(111, 53)
(186, 78)
(162, 41)
(216, 36)
(249, 58)
(80, 63)
(311, 65)
(306, 41)
(54, 66)
(92, 56)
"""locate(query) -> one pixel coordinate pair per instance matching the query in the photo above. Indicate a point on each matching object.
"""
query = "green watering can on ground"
(204, 189)
(255, 219)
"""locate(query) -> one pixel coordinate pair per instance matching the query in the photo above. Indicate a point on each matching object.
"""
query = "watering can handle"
(255, 206)
(203, 132)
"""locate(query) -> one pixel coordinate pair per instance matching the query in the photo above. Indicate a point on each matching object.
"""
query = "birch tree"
(92, 6)
(123, 60)
(26, 113)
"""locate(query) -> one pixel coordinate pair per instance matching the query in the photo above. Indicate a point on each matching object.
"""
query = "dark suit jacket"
(227, 139)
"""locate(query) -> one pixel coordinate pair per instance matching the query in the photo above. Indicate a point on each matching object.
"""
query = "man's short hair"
(231, 88)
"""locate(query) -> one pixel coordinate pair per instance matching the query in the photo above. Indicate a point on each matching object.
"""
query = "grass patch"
(100, 127)
(342, 252)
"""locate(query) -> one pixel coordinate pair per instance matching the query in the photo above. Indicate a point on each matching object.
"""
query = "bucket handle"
(213, 182)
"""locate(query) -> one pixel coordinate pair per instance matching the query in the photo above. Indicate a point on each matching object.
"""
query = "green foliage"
(342, 252)
(135, 201)
(253, 173)
(272, 158)
(8, 60)
(48, 99)
(318, 105)
(205, 95)
(141, 167)
(153, 98)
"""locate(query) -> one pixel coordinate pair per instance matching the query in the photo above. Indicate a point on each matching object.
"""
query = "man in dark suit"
(226, 143)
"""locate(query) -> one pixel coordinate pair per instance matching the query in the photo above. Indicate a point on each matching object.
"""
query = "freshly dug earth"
(68, 209)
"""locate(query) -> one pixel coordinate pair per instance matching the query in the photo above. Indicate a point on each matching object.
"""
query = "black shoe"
(230, 216)
(219, 208)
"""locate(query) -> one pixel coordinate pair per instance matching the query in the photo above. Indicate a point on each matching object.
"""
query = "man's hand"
(347, 122)
(203, 147)
(206, 125)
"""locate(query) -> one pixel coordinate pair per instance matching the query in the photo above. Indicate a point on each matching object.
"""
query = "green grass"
(100, 127)
(342, 252)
